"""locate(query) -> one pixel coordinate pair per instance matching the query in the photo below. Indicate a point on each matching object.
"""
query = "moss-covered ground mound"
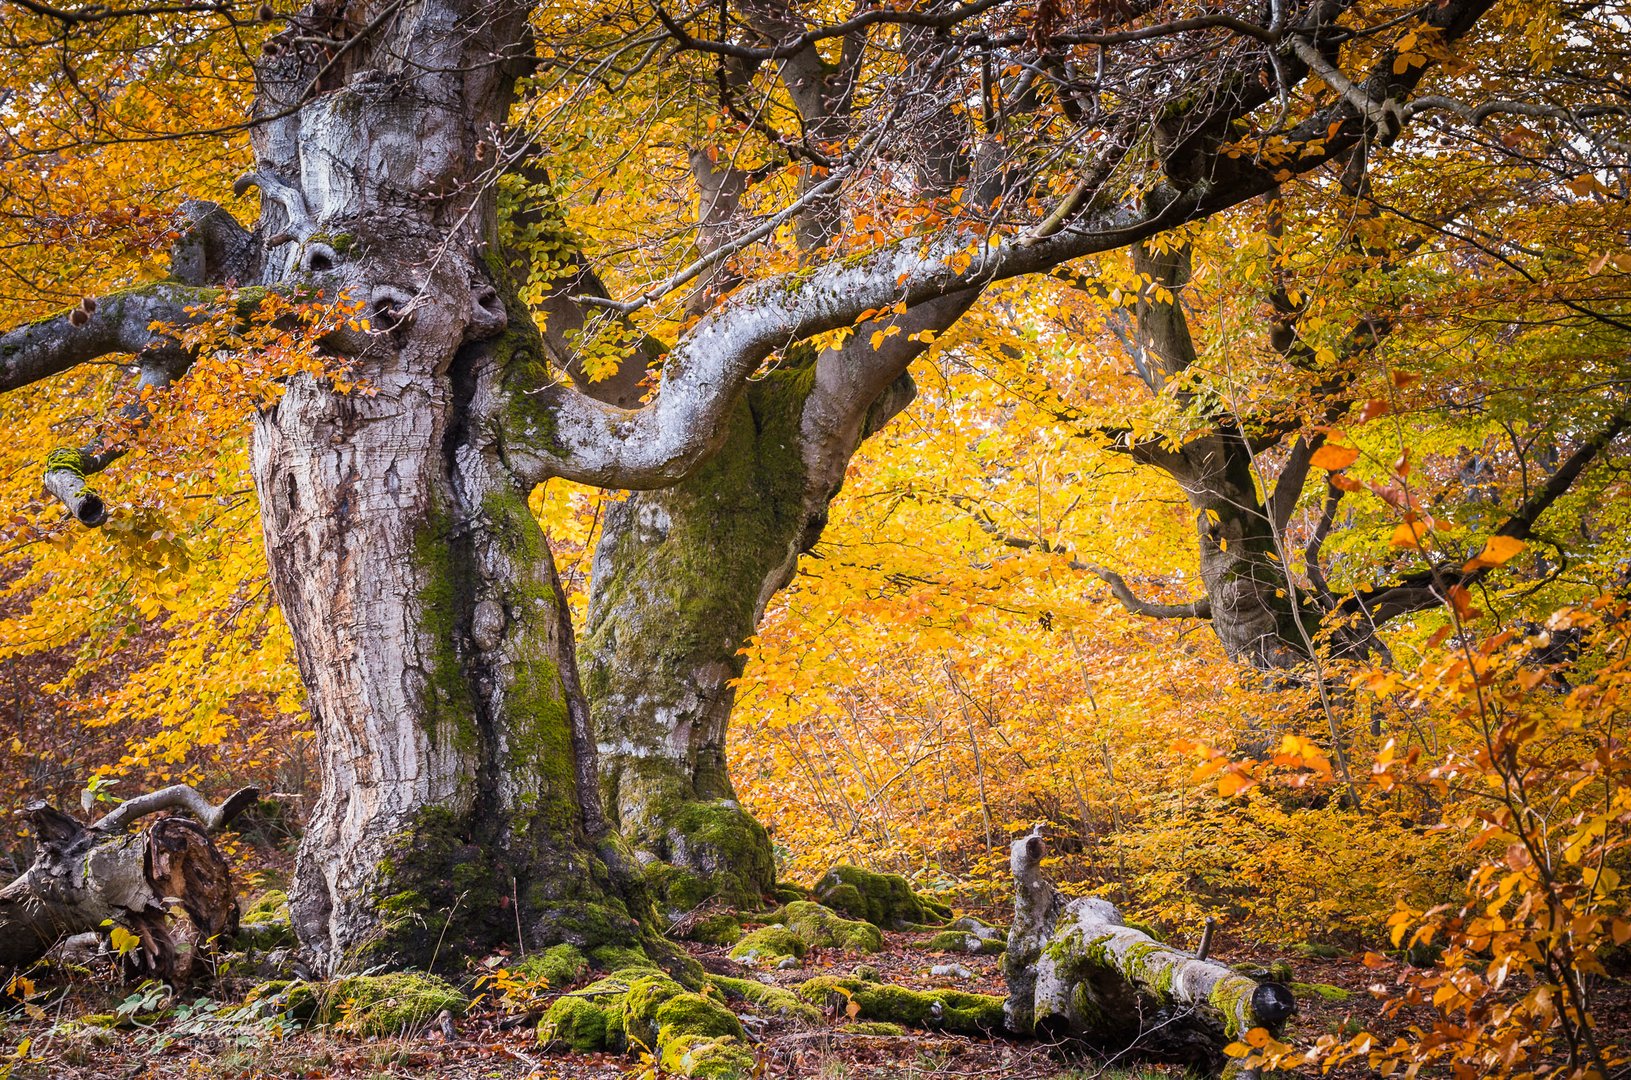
(884, 900)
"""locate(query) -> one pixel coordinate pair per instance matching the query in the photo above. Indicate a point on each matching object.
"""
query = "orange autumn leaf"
(1498, 550)
(1332, 457)
(1410, 533)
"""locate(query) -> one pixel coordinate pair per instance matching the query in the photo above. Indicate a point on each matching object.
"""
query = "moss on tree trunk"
(681, 578)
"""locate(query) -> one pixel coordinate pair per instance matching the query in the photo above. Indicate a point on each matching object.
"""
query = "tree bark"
(88, 879)
(680, 581)
(459, 807)
(1248, 589)
(1076, 970)
(681, 578)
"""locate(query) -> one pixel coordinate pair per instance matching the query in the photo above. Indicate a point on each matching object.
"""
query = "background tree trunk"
(1247, 586)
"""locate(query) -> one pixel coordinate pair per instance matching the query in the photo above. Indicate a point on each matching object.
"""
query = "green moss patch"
(1324, 991)
(720, 929)
(266, 933)
(380, 1005)
(690, 1034)
(767, 944)
(707, 1059)
(822, 928)
(576, 1023)
(770, 998)
(941, 1010)
(264, 924)
(884, 900)
(558, 966)
(271, 904)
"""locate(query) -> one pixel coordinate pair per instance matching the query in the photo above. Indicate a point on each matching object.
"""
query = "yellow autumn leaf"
(1409, 534)
(123, 941)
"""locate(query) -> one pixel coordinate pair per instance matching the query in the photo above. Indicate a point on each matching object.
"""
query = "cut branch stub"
(1076, 970)
(65, 471)
(87, 879)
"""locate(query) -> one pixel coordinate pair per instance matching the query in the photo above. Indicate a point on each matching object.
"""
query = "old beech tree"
(461, 768)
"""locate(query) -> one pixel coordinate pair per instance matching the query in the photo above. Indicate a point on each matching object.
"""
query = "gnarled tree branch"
(1430, 588)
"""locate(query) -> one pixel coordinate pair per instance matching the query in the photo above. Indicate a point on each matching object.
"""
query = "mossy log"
(1077, 971)
(94, 878)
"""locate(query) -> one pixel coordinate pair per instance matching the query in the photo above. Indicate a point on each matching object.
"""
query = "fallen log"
(97, 877)
(1077, 971)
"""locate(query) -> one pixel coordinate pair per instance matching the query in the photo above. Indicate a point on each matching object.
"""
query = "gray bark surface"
(1076, 970)
(90, 879)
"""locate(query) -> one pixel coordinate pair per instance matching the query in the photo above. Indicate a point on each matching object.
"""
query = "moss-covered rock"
(385, 1004)
(720, 929)
(587, 1019)
(707, 1058)
(787, 892)
(822, 928)
(639, 1004)
(872, 1027)
(558, 966)
(271, 904)
(577, 1023)
(689, 1015)
(962, 941)
(943, 1010)
(770, 998)
(1324, 991)
(884, 900)
(691, 1035)
(767, 944)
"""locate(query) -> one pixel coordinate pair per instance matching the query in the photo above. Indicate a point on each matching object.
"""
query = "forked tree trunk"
(1246, 583)
(459, 806)
(681, 579)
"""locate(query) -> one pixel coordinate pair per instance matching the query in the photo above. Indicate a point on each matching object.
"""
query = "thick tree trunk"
(681, 579)
(459, 795)
(459, 807)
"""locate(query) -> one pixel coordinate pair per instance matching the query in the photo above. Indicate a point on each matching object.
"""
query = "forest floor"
(492, 1043)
